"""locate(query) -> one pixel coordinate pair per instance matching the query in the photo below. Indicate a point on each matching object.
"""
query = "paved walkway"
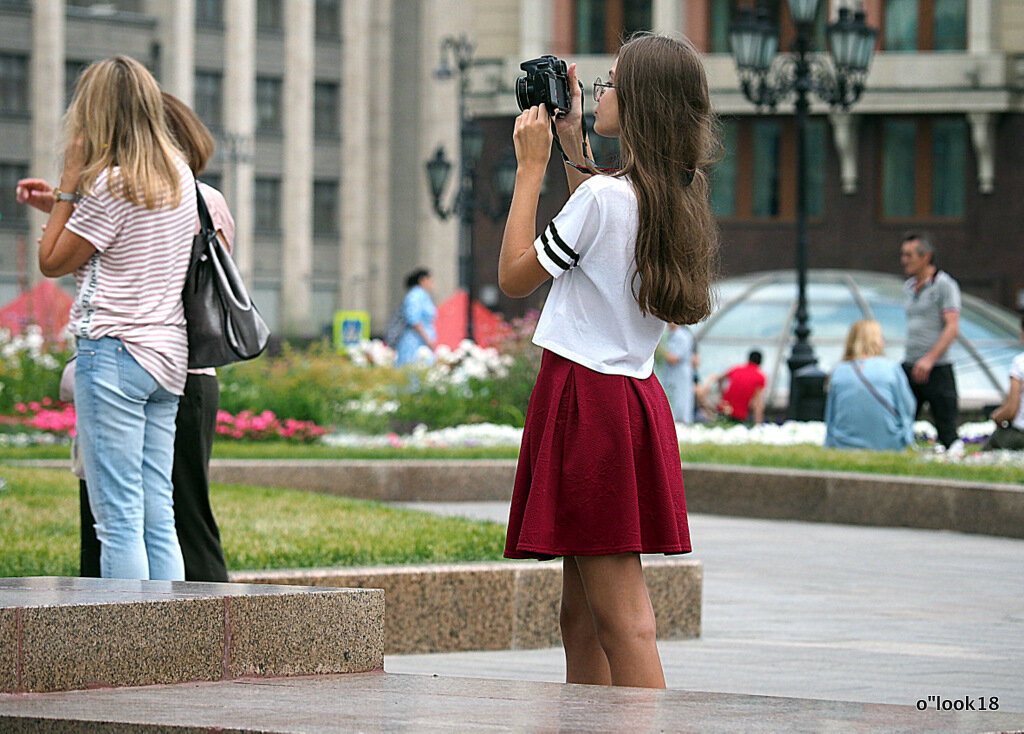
(834, 612)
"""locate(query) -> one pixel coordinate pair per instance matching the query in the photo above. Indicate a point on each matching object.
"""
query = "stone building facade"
(325, 111)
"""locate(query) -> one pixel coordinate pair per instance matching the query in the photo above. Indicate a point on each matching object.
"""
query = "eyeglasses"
(600, 87)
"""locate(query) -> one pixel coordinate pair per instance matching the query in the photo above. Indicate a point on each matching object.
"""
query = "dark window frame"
(924, 172)
(15, 88)
(925, 36)
(12, 214)
(326, 116)
(612, 16)
(785, 174)
(267, 214)
(269, 125)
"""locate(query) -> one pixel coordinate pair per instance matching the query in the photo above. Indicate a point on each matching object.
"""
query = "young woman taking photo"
(599, 479)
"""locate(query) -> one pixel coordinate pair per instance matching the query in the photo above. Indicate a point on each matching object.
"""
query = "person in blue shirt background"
(419, 312)
(674, 368)
(870, 404)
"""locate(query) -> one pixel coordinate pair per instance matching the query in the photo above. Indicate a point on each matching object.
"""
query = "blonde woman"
(122, 221)
(870, 404)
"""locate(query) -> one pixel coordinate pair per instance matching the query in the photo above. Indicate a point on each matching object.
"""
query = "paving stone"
(388, 702)
(8, 650)
(316, 632)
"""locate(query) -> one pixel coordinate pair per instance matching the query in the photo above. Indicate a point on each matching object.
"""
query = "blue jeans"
(125, 427)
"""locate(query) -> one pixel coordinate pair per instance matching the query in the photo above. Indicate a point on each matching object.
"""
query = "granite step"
(59, 634)
(495, 605)
(384, 702)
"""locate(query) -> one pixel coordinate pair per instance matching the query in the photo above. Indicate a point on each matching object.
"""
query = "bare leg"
(623, 617)
(585, 661)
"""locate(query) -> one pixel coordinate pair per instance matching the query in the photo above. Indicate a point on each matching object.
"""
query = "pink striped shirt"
(130, 288)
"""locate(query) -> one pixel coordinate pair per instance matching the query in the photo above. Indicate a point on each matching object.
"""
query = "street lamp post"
(471, 143)
(837, 78)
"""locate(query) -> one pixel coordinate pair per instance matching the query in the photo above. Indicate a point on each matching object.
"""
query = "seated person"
(742, 389)
(1009, 416)
(870, 404)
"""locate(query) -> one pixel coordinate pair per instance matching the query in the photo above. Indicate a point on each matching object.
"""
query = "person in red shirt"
(742, 389)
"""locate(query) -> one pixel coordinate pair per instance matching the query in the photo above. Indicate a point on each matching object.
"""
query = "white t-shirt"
(1017, 371)
(591, 316)
(130, 288)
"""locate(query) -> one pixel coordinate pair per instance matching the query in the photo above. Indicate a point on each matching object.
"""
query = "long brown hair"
(667, 131)
(189, 132)
(118, 115)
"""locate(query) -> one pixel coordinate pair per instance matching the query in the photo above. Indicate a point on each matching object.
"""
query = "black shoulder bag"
(223, 323)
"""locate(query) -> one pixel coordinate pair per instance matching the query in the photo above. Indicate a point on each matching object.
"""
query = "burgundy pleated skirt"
(599, 470)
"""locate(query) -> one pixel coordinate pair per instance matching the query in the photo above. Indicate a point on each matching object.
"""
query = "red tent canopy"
(488, 327)
(45, 305)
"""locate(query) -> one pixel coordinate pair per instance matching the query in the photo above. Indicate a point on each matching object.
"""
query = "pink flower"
(47, 401)
(34, 406)
(20, 407)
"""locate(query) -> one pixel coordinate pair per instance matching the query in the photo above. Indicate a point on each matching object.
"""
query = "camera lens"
(523, 93)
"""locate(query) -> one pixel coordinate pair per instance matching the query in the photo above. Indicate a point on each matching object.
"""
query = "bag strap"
(206, 228)
(871, 389)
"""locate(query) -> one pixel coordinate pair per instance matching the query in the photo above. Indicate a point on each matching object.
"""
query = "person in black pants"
(198, 533)
(932, 302)
(195, 427)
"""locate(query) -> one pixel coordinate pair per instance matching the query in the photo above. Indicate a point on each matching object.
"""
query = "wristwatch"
(73, 197)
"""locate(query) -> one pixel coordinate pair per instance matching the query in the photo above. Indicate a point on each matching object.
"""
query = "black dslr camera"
(546, 83)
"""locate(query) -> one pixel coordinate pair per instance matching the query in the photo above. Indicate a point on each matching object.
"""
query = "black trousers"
(198, 534)
(940, 394)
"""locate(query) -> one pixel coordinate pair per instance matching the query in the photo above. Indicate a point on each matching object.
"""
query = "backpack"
(396, 327)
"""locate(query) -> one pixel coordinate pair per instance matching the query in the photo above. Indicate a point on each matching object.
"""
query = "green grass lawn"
(261, 528)
(905, 463)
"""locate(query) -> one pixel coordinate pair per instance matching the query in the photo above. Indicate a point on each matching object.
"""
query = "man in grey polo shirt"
(932, 300)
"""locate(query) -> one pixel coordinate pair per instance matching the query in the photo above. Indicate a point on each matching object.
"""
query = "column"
(534, 28)
(239, 110)
(667, 17)
(438, 244)
(980, 26)
(46, 80)
(297, 181)
(360, 209)
(176, 30)
(381, 241)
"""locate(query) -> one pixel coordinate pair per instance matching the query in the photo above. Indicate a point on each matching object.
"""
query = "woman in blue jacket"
(419, 313)
(870, 404)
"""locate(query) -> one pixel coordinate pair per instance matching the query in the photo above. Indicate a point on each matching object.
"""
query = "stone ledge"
(386, 702)
(983, 508)
(59, 634)
(782, 494)
(502, 605)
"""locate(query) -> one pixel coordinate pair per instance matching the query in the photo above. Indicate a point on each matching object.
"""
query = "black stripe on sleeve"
(555, 258)
(571, 253)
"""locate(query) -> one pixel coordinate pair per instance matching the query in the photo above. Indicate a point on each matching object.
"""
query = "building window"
(325, 207)
(72, 70)
(328, 18)
(12, 214)
(325, 109)
(207, 98)
(757, 177)
(268, 104)
(925, 25)
(601, 25)
(267, 197)
(13, 84)
(924, 168)
(723, 175)
(268, 15)
(210, 13)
